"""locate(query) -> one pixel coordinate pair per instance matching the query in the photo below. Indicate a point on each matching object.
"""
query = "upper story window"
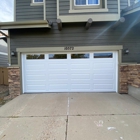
(37, 1)
(87, 2)
(84, 4)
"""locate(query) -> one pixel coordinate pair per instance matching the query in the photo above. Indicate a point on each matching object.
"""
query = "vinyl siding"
(3, 58)
(123, 4)
(51, 10)
(76, 35)
(64, 7)
(26, 12)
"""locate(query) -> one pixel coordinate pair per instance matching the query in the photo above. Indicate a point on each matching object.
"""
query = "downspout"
(44, 9)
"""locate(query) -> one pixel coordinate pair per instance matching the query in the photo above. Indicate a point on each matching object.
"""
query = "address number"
(68, 48)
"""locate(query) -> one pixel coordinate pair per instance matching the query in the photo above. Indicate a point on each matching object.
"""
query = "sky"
(6, 10)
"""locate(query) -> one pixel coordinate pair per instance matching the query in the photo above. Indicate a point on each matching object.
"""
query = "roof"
(24, 24)
(131, 9)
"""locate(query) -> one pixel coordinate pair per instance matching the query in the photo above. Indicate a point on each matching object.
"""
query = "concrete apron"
(75, 116)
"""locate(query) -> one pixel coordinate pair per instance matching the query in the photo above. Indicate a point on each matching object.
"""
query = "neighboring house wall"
(3, 54)
(24, 11)
(100, 33)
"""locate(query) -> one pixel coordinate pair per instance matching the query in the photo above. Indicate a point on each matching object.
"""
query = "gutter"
(24, 24)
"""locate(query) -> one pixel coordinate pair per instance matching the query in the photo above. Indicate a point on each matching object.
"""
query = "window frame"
(37, 2)
(90, 6)
(33, 3)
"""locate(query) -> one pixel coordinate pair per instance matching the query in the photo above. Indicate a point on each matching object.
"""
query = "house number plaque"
(69, 48)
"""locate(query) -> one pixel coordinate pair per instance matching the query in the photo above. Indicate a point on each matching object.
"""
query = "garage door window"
(103, 55)
(80, 56)
(35, 56)
(57, 56)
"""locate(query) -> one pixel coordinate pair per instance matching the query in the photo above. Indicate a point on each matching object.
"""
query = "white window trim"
(33, 3)
(86, 3)
(86, 10)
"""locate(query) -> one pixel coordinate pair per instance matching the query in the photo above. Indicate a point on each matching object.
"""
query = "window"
(57, 56)
(87, 2)
(79, 56)
(103, 55)
(90, 4)
(37, 1)
(35, 56)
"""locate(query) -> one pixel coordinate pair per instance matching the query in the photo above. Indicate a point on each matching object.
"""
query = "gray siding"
(76, 35)
(51, 10)
(123, 4)
(3, 58)
(132, 2)
(112, 5)
(26, 12)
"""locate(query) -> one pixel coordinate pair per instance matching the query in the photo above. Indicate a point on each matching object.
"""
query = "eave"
(131, 9)
(24, 24)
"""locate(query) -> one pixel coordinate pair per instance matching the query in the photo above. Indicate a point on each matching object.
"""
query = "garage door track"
(71, 116)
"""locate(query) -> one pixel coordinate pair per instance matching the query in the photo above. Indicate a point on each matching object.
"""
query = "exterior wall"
(75, 34)
(51, 10)
(64, 7)
(3, 57)
(123, 4)
(24, 11)
(130, 76)
(14, 82)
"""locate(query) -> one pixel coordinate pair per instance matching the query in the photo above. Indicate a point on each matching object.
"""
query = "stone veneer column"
(123, 79)
(129, 75)
(14, 81)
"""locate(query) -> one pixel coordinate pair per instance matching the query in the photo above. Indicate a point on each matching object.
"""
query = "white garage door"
(76, 72)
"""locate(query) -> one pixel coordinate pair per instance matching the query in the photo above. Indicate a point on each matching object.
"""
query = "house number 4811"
(68, 48)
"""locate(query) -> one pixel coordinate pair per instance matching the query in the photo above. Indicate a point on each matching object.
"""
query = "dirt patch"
(4, 92)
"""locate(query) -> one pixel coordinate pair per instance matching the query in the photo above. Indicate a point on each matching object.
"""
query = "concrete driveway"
(71, 116)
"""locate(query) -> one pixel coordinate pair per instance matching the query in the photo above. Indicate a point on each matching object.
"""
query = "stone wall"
(14, 82)
(129, 75)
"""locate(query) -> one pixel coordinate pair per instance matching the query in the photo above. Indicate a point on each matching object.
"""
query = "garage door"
(72, 72)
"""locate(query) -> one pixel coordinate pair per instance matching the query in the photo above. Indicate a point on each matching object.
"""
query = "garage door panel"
(103, 71)
(103, 76)
(103, 66)
(80, 81)
(71, 74)
(35, 68)
(110, 81)
(80, 76)
(58, 81)
(57, 66)
(35, 88)
(79, 66)
(35, 77)
(36, 82)
(107, 87)
(58, 87)
(58, 76)
(80, 87)
(35, 72)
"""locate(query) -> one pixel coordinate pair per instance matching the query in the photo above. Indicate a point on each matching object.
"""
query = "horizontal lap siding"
(123, 4)
(26, 12)
(3, 60)
(76, 35)
(51, 10)
(132, 2)
(64, 6)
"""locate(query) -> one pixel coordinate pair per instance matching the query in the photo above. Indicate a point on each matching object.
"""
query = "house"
(3, 51)
(72, 46)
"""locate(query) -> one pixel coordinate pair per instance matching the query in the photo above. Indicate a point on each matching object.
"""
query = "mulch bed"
(4, 92)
